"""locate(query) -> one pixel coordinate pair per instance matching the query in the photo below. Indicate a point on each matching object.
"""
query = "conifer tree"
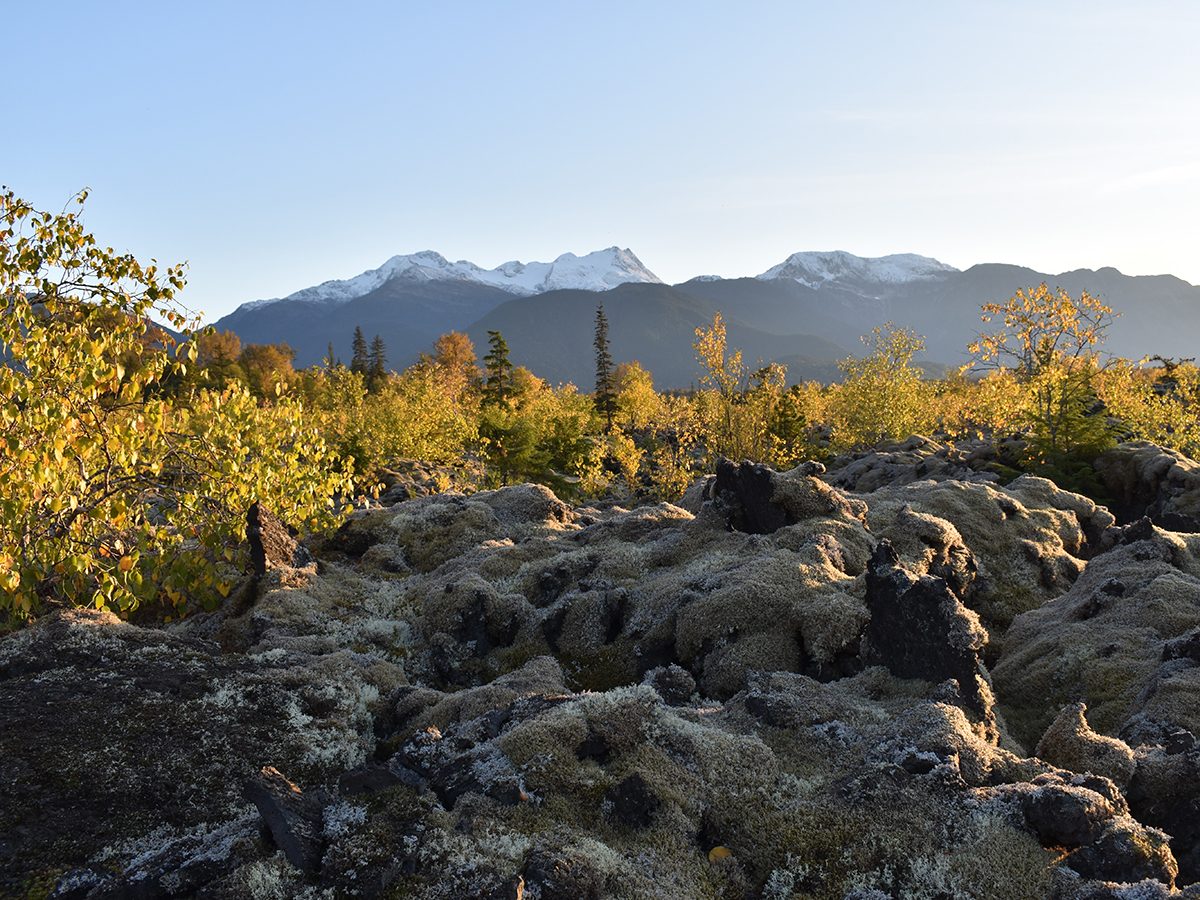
(605, 397)
(377, 364)
(497, 383)
(331, 361)
(359, 361)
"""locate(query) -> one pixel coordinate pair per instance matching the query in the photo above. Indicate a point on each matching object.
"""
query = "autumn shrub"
(423, 413)
(240, 451)
(798, 426)
(1156, 404)
(969, 407)
(628, 458)
(673, 447)
(723, 376)
(115, 492)
(638, 405)
(1049, 340)
(735, 407)
(884, 396)
(539, 433)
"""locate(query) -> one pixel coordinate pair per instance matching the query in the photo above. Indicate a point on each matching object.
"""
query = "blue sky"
(276, 145)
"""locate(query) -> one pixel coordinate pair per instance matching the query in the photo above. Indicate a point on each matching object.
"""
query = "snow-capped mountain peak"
(814, 269)
(596, 271)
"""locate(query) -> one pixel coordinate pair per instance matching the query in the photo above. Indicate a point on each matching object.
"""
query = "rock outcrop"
(1116, 644)
(924, 459)
(1147, 480)
(272, 546)
(785, 690)
(919, 629)
(1070, 742)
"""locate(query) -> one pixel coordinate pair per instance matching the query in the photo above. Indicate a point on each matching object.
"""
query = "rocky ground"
(900, 678)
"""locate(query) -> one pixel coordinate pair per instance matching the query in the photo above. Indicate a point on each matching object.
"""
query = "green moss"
(40, 885)
(607, 668)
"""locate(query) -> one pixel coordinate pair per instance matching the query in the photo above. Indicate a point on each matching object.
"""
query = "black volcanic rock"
(271, 544)
(920, 629)
(756, 499)
(292, 817)
(631, 802)
(747, 492)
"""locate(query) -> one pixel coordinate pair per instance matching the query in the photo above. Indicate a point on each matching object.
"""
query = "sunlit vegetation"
(1050, 341)
(883, 396)
(123, 483)
(130, 455)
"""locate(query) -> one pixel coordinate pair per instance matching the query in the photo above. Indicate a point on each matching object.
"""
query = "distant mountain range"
(807, 312)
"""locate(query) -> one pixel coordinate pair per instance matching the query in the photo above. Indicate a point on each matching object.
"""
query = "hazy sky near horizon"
(277, 145)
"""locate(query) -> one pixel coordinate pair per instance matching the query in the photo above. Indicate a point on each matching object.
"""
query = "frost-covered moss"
(1012, 549)
(1102, 643)
(476, 663)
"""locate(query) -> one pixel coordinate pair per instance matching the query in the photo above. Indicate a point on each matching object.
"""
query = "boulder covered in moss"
(1107, 641)
(1071, 743)
(1003, 550)
(1144, 479)
(917, 458)
(124, 749)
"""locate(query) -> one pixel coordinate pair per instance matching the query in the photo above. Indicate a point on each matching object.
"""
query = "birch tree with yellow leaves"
(115, 493)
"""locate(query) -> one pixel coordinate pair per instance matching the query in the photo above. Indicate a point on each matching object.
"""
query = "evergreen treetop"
(359, 360)
(497, 382)
(605, 397)
(376, 364)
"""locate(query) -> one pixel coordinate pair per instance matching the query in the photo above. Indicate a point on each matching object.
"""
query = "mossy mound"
(499, 696)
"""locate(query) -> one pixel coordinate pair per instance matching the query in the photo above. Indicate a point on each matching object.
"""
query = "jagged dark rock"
(271, 544)
(1183, 647)
(1165, 793)
(1126, 854)
(556, 873)
(919, 629)
(1065, 816)
(292, 817)
(756, 499)
(372, 779)
(746, 493)
(674, 684)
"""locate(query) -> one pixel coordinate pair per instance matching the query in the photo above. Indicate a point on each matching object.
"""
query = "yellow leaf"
(125, 564)
(719, 853)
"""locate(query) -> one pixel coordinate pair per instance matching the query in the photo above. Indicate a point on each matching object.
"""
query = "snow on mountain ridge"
(596, 271)
(813, 268)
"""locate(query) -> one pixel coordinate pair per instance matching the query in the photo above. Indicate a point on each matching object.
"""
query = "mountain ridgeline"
(807, 312)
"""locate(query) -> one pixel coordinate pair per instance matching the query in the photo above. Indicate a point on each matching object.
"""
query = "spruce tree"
(377, 365)
(497, 381)
(331, 361)
(605, 397)
(359, 361)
